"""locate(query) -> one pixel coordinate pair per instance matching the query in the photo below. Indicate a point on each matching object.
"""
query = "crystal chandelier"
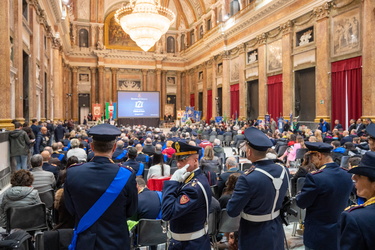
(145, 21)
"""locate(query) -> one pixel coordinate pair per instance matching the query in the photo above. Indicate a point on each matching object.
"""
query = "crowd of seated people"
(146, 148)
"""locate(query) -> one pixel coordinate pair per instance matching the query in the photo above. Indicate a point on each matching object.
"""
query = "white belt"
(260, 218)
(189, 236)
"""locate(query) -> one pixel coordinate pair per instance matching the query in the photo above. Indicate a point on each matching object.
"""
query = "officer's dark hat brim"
(184, 150)
(366, 167)
(370, 130)
(104, 132)
(257, 139)
(320, 147)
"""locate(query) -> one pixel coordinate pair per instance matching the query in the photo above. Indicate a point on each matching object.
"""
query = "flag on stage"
(218, 119)
(96, 111)
(190, 112)
(197, 115)
(111, 110)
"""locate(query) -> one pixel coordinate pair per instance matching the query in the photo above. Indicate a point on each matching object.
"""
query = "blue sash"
(122, 155)
(141, 168)
(160, 198)
(101, 205)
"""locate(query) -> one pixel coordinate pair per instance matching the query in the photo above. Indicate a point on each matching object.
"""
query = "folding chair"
(212, 228)
(228, 224)
(150, 233)
(28, 218)
(48, 198)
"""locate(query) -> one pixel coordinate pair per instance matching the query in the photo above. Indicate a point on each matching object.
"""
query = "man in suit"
(325, 195)
(186, 199)
(258, 196)
(86, 183)
(231, 164)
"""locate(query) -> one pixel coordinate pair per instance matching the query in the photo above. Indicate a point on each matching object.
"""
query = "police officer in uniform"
(325, 195)
(258, 196)
(358, 222)
(85, 184)
(186, 199)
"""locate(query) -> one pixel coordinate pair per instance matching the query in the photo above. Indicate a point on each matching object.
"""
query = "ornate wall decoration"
(116, 38)
(84, 9)
(129, 85)
(84, 77)
(171, 80)
(305, 36)
(345, 33)
(274, 56)
(234, 69)
(252, 56)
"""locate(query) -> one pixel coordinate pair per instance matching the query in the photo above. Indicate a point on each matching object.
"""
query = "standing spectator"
(19, 146)
(42, 140)
(352, 126)
(51, 129)
(323, 126)
(59, 132)
(34, 126)
(325, 195)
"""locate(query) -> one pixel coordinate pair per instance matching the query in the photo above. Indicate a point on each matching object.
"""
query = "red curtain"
(192, 100)
(234, 101)
(275, 96)
(209, 105)
(346, 90)
(354, 88)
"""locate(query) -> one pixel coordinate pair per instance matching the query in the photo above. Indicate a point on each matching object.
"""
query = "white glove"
(181, 174)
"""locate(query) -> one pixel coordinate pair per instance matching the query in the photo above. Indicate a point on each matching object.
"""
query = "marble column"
(114, 84)
(178, 91)
(287, 41)
(158, 80)
(93, 35)
(214, 88)
(323, 67)
(93, 10)
(262, 62)
(163, 94)
(242, 82)
(225, 86)
(68, 88)
(368, 62)
(204, 92)
(101, 85)
(93, 86)
(18, 58)
(74, 93)
(5, 120)
(58, 70)
(144, 80)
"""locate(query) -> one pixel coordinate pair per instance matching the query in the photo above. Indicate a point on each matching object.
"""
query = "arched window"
(83, 38)
(170, 44)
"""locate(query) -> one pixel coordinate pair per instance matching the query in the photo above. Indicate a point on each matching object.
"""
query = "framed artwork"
(83, 77)
(274, 56)
(132, 85)
(346, 33)
(171, 80)
(252, 56)
(305, 36)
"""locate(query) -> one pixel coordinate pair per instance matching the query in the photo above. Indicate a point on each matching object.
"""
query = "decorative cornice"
(262, 38)
(287, 27)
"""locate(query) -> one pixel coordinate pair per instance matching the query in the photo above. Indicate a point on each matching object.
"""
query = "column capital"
(241, 48)
(323, 11)
(144, 71)
(114, 70)
(287, 27)
(101, 69)
(262, 38)
(74, 69)
(93, 69)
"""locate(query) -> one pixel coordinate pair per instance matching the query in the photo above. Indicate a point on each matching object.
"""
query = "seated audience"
(43, 180)
(159, 169)
(77, 151)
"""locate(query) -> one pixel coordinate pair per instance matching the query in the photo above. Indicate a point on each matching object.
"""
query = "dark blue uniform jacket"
(325, 195)
(184, 206)
(255, 194)
(83, 187)
(358, 228)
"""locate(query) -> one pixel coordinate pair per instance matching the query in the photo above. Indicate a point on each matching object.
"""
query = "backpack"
(19, 239)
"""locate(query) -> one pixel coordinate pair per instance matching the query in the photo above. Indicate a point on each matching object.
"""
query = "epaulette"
(251, 169)
(125, 166)
(316, 172)
(353, 207)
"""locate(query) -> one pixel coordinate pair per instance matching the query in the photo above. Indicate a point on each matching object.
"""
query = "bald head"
(43, 130)
(46, 155)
